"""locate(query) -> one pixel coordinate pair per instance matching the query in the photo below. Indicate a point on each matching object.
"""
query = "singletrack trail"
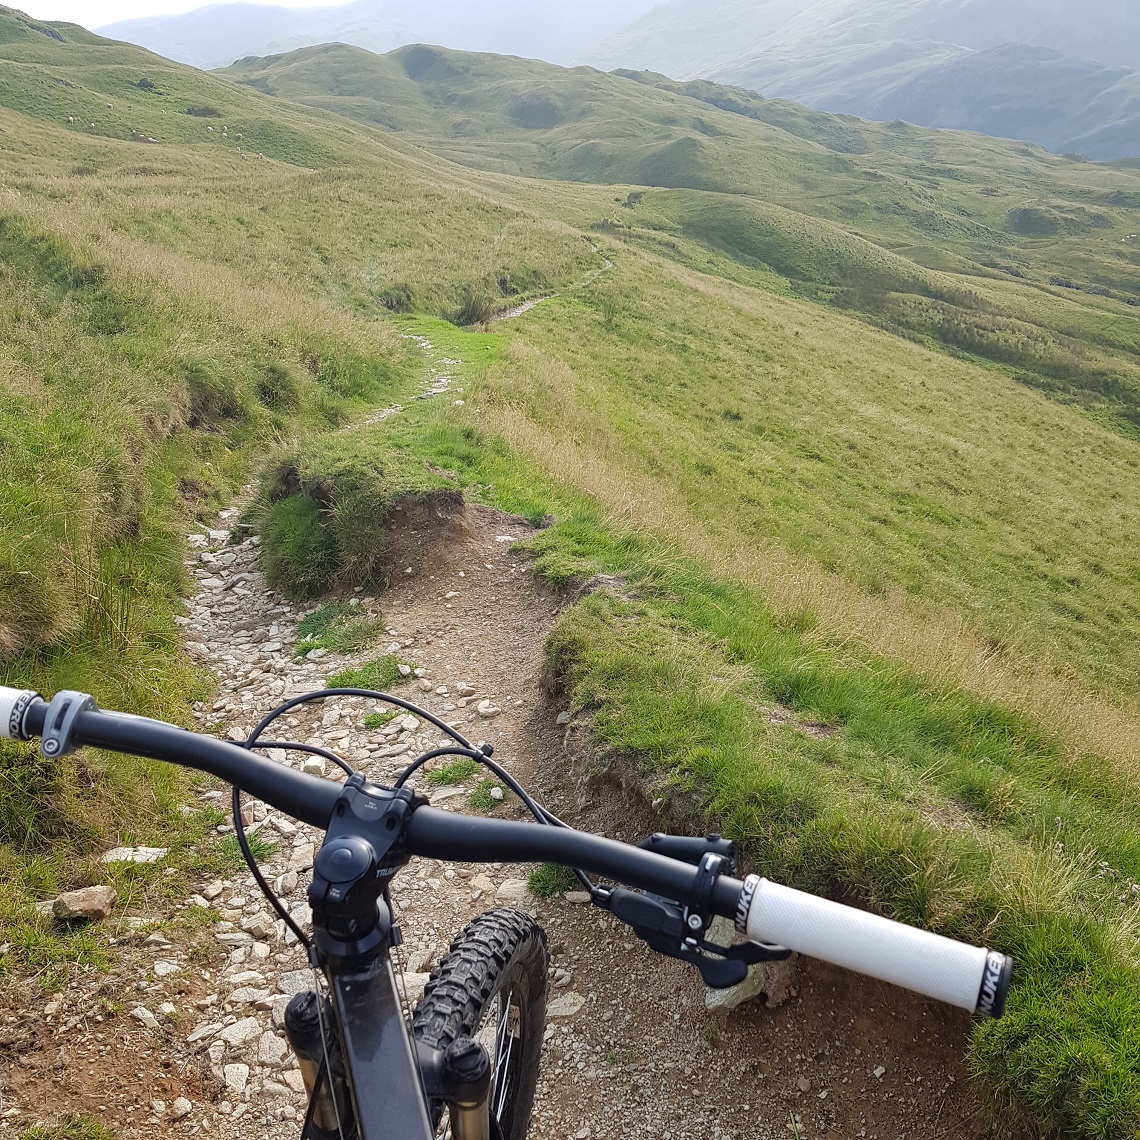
(183, 1037)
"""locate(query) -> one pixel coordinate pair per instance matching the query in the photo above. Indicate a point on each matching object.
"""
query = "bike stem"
(390, 1076)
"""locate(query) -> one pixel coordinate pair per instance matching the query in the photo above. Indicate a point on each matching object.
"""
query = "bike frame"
(383, 1071)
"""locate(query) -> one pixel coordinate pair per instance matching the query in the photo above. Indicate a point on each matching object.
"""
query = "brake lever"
(664, 926)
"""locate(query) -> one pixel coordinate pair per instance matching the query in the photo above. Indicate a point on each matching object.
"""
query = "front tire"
(491, 985)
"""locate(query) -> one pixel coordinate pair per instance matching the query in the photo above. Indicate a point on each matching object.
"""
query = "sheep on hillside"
(71, 118)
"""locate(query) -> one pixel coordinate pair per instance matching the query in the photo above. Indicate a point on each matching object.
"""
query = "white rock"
(414, 985)
(577, 897)
(487, 710)
(271, 1049)
(245, 978)
(496, 793)
(236, 1077)
(241, 1031)
(259, 925)
(295, 981)
(513, 890)
(404, 670)
(134, 855)
(143, 1015)
(775, 980)
(180, 1109)
(566, 1006)
(212, 890)
(294, 1080)
(439, 795)
(163, 968)
(201, 1032)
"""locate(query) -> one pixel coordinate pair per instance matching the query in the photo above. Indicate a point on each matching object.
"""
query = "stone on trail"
(180, 1109)
(295, 981)
(241, 1031)
(88, 902)
(448, 792)
(513, 891)
(134, 855)
(487, 710)
(565, 1006)
(271, 1049)
(143, 1015)
(236, 1077)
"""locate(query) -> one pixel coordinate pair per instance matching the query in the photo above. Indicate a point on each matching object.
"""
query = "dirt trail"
(631, 1053)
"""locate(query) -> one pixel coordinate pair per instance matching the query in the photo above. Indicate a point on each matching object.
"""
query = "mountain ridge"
(220, 34)
(961, 64)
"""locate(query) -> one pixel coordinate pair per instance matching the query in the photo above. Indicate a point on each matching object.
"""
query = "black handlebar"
(432, 833)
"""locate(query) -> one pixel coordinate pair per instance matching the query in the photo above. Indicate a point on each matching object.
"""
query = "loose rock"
(93, 903)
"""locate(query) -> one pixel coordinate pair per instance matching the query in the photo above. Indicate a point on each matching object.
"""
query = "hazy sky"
(96, 13)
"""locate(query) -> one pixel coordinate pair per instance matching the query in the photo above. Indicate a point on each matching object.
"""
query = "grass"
(72, 1128)
(481, 798)
(454, 773)
(379, 719)
(339, 627)
(380, 674)
(549, 879)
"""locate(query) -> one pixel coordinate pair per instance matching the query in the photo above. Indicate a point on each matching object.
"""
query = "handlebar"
(973, 979)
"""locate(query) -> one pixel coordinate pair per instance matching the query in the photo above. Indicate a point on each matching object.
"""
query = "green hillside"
(812, 387)
(1045, 267)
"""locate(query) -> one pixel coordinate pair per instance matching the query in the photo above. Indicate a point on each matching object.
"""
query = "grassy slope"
(686, 403)
(918, 486)
(169, 312)
(1042, 266)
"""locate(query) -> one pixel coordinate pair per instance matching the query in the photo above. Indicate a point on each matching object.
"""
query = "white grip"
(13, 704)
(902, 955)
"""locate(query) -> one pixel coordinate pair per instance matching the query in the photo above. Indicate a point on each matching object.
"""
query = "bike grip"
(941, 968)
(13, 705)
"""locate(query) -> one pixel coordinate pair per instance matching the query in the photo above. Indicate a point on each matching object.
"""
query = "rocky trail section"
(183, 1037)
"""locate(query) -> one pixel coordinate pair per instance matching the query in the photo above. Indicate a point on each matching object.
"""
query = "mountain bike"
(464, 1063)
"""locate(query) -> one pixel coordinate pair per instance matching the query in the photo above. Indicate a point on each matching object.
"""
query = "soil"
(843, 1057)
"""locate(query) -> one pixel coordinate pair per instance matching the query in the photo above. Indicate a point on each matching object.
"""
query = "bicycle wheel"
(491, 985)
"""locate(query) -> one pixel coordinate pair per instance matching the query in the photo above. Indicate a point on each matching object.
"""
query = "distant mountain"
(217, 35)
(1064, 75)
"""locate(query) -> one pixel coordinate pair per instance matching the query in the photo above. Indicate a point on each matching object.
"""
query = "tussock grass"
(382, 674)
(337, 626)
(454, 773)
(73, 1128)
(549, 879)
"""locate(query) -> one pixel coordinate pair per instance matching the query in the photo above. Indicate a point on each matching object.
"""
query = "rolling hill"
(1064, 77)
(849, 411)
